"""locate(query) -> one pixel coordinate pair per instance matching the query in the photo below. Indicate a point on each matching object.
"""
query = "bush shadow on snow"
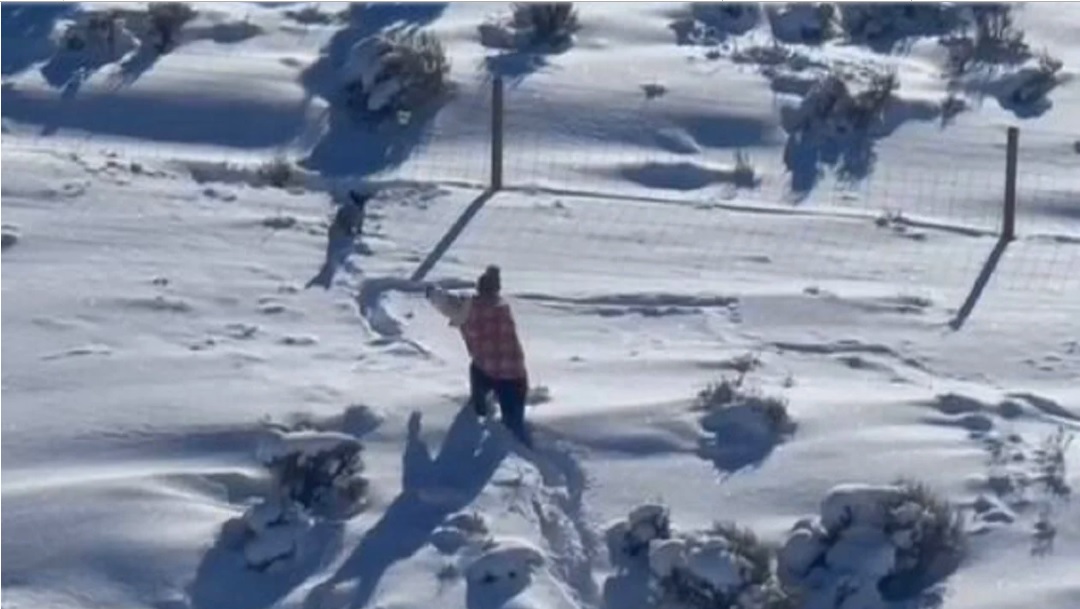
(26, 32)
(350, 144)
(850, 154)
(432, 489)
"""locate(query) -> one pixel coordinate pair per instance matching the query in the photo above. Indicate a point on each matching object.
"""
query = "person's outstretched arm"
(454, 308)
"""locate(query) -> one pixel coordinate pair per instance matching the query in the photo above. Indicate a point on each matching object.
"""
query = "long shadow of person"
(432, 489)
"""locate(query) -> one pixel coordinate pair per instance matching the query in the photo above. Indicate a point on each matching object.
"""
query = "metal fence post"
(496, 133)
(1008, 222)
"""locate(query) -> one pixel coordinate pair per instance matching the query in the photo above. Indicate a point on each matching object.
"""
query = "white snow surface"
(155, 295)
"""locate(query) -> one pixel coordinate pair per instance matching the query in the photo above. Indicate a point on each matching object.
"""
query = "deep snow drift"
(734, 236)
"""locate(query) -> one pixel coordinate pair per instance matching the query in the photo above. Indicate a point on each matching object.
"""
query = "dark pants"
(509, 393)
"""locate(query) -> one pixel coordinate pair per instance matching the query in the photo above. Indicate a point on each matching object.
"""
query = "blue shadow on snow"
(26, 30)
(463, 467)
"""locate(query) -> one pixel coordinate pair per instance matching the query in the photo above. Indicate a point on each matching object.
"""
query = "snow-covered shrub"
(629, 539)
(725, 567)
(532, 24)
(830, 109)
(995, 33)
(803, 22)
(321, 471)
(736, 17)
(993, 40)
(727, 404)
(1050, 459)
(872, 545)
(270, 533)
(399, 70)
(278, 172)
(165, 20)
(99, 35)
(710, 23)
(885, 22)
(551, 23)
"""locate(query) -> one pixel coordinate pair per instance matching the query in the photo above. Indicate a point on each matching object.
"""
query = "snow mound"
(505, 561)
(872, 545)
(460, 530)
(630, 538)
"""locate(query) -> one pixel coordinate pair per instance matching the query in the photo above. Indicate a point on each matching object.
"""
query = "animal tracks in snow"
(1025, 442)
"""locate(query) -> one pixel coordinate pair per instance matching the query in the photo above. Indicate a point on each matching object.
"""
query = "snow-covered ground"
(161, 345)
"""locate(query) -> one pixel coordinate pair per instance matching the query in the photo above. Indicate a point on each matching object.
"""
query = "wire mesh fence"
(678, 185)
(682, 146)
(690, 184)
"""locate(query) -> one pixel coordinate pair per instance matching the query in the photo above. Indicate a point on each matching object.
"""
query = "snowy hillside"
(780, 356)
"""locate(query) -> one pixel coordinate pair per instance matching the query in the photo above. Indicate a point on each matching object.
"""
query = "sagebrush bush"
(166, 20)
(729, 394)
(399, 70)
(883, 22)
(916, 539)
(310, 480)
(278, 172)
(1050, 458)
(322, 472)
(831, 109)
(551, 23)
(936, 529)
(101, 33)
(726, 567)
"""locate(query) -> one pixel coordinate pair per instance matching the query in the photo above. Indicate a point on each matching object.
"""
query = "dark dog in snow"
(347, 226)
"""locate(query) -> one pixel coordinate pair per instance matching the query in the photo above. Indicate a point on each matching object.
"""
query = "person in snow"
(347, 226)
(498, 361)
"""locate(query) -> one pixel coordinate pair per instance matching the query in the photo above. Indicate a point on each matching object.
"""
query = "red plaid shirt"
(492, 341)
